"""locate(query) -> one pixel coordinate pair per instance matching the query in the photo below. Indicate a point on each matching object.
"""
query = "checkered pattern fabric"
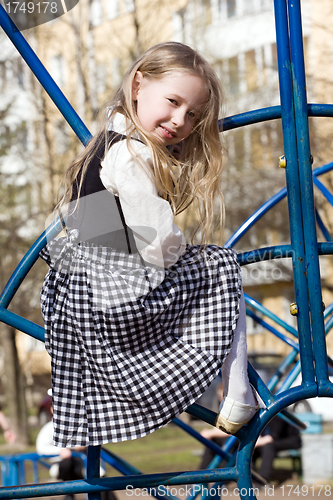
(129, 352)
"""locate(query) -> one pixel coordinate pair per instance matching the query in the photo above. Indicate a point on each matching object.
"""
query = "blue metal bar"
(323, 110)
(266, 253)
(44, 77)
(18, 461)
(329, 324)
(27, 262)
(202, 413)
(290, 379)
(118, 463)
(294, 195)
(325, 248)
(259, 307)
(323, 169)
(322, 227)
(93, 469)
(128, 483)
(260, 386)
(307, 198)
(207, 442)
(328, 310)
(271, 113)
(127, 469)
(328, 195)
(35, 471)
(220, 453)
(288, 360)
(266, 207)
(255, 217)
(250, 117)
(271, 329)
(22, 324)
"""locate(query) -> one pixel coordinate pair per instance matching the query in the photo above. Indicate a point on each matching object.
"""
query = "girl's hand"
(65, 453)
(213, 433)
(9, 436)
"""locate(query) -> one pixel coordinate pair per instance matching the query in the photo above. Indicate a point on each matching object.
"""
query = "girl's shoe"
(233, 415)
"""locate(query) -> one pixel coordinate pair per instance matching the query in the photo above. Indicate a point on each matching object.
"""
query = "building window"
(130, 6)
(17, 69)
(58, 69)
(22, 135)
(231, 8)
(252, 326)
(218, 65)
(112, 9)
(34, 345)
(239, 146)
(61, 139)
(274, 57)
(101, 78)
(116, 72)
(219, 7)
(256, 148)
(179, 25)
(3, 75)
(249, 6)
(251, 72)
(96, 12)
(206, 12)
(233, 71)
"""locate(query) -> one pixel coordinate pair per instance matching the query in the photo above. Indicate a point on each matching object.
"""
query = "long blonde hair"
(197, 175)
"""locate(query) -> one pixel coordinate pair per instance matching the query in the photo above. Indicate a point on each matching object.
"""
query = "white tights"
(235, 378)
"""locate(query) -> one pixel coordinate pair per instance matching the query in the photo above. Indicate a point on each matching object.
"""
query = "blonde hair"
(197, 175)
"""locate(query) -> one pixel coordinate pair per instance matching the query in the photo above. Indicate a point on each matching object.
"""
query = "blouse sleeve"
(158, 239)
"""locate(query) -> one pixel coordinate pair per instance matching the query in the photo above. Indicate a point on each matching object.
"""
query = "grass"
(166, 450)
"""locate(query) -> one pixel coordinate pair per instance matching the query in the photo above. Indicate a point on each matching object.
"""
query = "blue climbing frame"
(304, 251)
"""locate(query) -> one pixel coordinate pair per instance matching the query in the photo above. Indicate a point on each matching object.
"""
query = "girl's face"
(169, 107)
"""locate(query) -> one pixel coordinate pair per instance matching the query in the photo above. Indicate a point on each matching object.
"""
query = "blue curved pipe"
(44, 77)
(271, 113)
(273, 201)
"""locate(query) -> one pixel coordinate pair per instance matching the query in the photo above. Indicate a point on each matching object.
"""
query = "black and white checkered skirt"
(132, 347)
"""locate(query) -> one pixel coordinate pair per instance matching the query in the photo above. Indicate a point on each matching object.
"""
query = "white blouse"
(158, 239)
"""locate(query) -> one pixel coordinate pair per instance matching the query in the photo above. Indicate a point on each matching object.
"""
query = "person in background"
(278, 436)
(216, 435)
(64, 466)
(8, 433)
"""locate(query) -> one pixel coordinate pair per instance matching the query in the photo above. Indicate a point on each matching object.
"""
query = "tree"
(20, 224)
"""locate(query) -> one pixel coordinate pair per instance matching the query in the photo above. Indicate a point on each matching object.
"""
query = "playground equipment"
(304, 251)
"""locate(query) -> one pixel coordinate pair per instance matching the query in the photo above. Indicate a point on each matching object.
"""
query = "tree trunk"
(15, 386)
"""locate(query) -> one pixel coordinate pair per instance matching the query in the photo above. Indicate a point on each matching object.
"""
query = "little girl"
(137, 322)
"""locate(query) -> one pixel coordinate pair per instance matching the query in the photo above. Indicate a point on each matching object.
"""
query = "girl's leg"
(239, 403)
(235, 378)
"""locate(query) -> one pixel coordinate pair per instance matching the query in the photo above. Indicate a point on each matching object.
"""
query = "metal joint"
(294, 309)
(282, 161)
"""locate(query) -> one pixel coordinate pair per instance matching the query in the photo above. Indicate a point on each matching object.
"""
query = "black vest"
(98, 215)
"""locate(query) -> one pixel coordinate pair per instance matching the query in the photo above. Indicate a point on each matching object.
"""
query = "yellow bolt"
(294, 309)
(282, 161)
